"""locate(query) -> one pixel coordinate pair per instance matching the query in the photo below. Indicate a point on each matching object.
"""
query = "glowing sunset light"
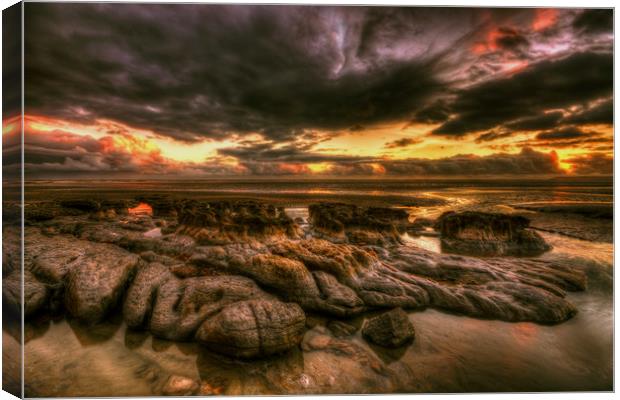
(500, 90)
(141, 209)
(544, 18)
(11, 125)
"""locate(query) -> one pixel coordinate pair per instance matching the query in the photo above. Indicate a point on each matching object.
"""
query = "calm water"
(450, 354)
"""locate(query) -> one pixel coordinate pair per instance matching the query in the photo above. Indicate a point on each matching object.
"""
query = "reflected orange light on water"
(525, 332)
(141, 209)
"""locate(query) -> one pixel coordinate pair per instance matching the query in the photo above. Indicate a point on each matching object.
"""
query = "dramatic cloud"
(11, 61)
(272, 90)
(592, 164)
(404, 142)
(594, 21)
(602, 113)
(570, 132)
(527, 162)
(195, 70)
(535, 123)
(550, 84)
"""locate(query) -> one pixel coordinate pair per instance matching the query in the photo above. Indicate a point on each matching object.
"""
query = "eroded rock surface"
(91, 278)
(489, 234)
(226, 222)
(254, 328)
(389, 329)
(239, 277)
(365, 225)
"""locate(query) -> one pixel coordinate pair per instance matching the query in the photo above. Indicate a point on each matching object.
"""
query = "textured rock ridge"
(489, 234)
(239, 277)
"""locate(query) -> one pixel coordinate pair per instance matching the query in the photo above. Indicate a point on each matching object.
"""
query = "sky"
(225, 90)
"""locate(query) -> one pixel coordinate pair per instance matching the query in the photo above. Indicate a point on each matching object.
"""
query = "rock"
(293, 280)
(341, 329)
(359, 224)
(180, 386)
(38, 212)
(509, 289)
(172, 246)
(329, 359)
(336, 293)
(233, 221)
(390, 329)
(420, 225)
(11, 248)
(161, 205)
(81, 205)
(96, 281)
(289, 277)
(254, 328)
(140, 295)
(489, 234)
(207, 389)
(35, 293)
(173, 308)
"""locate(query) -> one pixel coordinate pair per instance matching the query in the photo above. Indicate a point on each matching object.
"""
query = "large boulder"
(254, 328)
(35, 293)
(390, 329)
(489, 234)
(96, 281)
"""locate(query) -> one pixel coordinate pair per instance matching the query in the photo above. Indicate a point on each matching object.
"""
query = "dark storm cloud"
(535, 123)
(291, 153)
(594, 21)
(526, 162)
(300, 75)
(434, 113)
(493, 135)
(11, 61)
(404, 142)
(569, 132)
(602, 113)
(592, 164)
(511, 40)
(548, 84)
(261, 159)
(585, 143)
(193, 71)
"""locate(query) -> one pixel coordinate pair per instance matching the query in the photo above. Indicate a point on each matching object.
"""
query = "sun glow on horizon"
(368, 148)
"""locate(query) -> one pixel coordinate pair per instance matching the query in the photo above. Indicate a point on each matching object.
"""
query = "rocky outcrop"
(355, 224)
(35, 293)
(237, 277)
(489, 234)
(229, 222)
(345, 280)
(254, 328)
(88, 278)
(173, 308)
(161, 205)
(389, 329)
(95, 283)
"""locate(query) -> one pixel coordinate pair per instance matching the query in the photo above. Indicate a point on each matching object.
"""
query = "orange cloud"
(544, 18)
